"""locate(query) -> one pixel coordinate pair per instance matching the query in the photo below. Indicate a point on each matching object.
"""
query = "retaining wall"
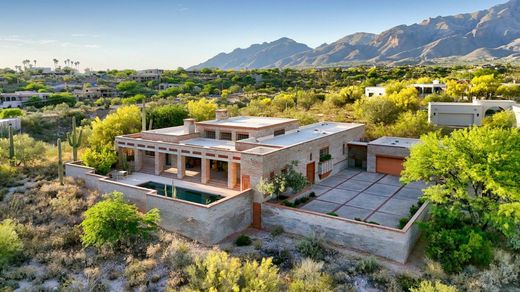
(391, 243)
(207, 224)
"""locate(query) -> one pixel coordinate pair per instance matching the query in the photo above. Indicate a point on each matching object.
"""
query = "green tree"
(101, 159)
(167, 115)
(408, 124)
(503, 119)
(125, 120)
(455, 88)
(11, 113)
(202, 109)
(129, 88)
(509, 91)
(305, 98)
(484, 86)
(284, 101)
(114, 222)
(10, 243)
(375, 110)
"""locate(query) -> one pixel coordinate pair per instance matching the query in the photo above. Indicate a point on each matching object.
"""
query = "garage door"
(389, 165)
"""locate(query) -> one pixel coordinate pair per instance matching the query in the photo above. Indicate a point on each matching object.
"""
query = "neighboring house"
(458, 114)
(163, 86)
(375, 91)
(147, 75)
(203, 177)
(16, 123)
(429, 88)
(96, 92)
(16, 99)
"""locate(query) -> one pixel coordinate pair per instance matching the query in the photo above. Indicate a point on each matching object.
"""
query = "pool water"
(181, 193)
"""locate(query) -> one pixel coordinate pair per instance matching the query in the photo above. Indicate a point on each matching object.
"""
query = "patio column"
(138, 159)
(205, 170)
(232, 174)
(160, 159)
(181, 166)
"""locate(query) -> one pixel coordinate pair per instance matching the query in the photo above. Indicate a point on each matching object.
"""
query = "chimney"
(221, 114)
(189, 126)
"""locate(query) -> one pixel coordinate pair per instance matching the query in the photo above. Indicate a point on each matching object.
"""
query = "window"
(149, 153)
(344, 149)
(242, 136)
(310, 156)
(324, 151)
(210, 134)
(279, 132)
(225, 136)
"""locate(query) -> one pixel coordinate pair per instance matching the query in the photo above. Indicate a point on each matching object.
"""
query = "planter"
(325, 168)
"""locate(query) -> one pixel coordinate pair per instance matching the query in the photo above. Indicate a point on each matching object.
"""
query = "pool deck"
(372, 197)
(138, 178)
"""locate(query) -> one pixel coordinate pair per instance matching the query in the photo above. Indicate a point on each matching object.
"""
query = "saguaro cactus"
(74, 138)
(11, 146)
(60, 162)
(143, 115)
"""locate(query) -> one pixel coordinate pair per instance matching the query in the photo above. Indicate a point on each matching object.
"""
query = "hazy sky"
(142, 34)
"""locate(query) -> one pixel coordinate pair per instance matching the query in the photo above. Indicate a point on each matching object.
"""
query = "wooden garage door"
(389, 165)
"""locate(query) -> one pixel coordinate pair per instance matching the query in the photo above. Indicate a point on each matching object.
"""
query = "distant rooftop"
(173, 131)
(210, 143)
(304, 134)
(395, 141)
(248, 122)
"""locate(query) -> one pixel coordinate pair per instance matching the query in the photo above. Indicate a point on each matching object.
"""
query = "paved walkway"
(372, 197)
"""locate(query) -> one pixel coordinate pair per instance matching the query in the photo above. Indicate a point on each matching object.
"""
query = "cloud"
(84, 35)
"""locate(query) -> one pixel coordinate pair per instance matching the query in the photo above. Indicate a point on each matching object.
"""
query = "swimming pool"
(181, 193)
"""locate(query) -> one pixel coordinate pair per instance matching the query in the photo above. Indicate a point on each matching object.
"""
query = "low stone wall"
(391, 243)
(207, 224)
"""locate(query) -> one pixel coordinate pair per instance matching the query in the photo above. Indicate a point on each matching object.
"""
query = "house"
(465, 114)
(163, 86)
(375, 91)
(96, 92)
(429, 88)
(16, 99)
(16, 123)
(147, 75)
(516, 110)
(203, 177)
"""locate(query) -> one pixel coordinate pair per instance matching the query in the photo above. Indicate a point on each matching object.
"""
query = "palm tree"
(55, 63)
(34, 61)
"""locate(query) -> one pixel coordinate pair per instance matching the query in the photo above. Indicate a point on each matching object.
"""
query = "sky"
(119, 34)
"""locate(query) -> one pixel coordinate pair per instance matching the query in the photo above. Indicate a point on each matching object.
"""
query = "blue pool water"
(181, 193)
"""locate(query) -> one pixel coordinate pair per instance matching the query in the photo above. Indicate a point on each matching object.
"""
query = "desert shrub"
(367, 265)
(101, 160)
(113, 222)
(243, 240)
(169, 115)
(26, 149)
(312, 247)
(455, 243)
(178, 256)
(136, 273)
(8, 175)
(219, 272)
(10, 243)
(308, 276)
(277, 230)
(503, 119)
(281, 257)
(427, 286)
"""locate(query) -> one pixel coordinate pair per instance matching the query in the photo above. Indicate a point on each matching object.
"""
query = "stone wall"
(386, 242)
(207, 224)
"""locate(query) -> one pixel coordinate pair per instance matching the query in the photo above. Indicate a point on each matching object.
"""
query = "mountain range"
(485, 35)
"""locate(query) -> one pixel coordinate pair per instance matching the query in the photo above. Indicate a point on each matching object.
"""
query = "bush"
(277, 230)
(26, 149)
(243, 240)
(312, 247)
(101, 161)
(308, 276)
(427, 286)
(367, 265)
(219, 272)
(167, 116)
(10, 113)
(113, 222)
(10, 243)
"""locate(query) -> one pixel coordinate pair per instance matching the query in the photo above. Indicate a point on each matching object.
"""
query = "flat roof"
(395, 141)
(248, 122)
(261, 150)
(210, 143)
(173, 131)
(304, 134)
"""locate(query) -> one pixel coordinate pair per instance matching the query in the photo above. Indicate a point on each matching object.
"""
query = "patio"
(371, 197)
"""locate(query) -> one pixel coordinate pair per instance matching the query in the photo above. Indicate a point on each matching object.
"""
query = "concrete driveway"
(372, 197)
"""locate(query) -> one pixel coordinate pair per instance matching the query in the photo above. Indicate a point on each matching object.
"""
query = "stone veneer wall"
(390, 243)
(383, 150)
(257, 166)
(207, 224)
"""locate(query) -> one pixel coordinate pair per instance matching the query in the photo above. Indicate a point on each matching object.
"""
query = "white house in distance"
(375, 91)
(147, 75)
(16, 99)
(429, 88)
(15, 123)
(464, 114)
